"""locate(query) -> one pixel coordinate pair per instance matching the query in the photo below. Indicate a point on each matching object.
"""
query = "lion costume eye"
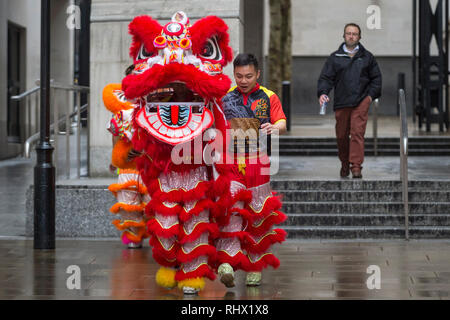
(143, 54)
(211, 50)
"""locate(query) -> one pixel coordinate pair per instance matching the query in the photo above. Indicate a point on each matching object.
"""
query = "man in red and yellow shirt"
(246, 232)
(249, 95)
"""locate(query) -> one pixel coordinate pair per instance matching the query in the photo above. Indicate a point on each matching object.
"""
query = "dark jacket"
(353, 79)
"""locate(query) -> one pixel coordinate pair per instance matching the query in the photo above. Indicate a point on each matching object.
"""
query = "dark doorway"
(16, 66)
(82, 48)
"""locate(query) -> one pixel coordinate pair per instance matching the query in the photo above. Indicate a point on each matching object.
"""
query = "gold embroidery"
(262, 221)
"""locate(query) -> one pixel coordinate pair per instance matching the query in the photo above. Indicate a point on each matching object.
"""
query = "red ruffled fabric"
(202, 271)
(268, 259)
(163, 252)
(198, 231)
(242, 261)
(272, 204)
(238, 261)
(274, 236)
(154, 227)
(274, 218)
(202, 250)
(200, 206)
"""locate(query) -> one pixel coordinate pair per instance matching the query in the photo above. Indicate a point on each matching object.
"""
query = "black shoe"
(345, 170)
(356, 172)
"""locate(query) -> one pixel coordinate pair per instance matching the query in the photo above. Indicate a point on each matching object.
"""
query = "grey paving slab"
(110, 271)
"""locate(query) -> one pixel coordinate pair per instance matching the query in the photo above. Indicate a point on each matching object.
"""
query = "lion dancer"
(178, 83)
(130, 191)
(246, 231)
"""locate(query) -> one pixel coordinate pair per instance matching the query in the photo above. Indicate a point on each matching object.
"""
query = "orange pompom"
(114, 99)
(120, 155)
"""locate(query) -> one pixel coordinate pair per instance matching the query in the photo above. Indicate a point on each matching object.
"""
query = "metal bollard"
(400, 85)
(286, 102)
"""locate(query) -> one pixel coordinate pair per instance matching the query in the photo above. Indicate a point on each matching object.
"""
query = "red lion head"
(177, 76)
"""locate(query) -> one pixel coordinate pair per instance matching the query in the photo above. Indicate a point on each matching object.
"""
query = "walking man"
(356, 78)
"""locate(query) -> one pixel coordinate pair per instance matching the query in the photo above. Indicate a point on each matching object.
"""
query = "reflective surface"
(309, 270)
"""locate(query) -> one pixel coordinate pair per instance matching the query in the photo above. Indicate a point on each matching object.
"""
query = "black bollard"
(286, 102)
(44, 171)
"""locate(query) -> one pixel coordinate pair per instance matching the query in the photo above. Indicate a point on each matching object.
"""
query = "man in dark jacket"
(356, 78)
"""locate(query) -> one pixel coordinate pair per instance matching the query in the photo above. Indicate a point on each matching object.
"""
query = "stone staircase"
(316, 209)
(364, 209)
(418, 146)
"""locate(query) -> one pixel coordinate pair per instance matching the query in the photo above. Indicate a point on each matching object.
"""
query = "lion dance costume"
(130, 192)
(176, 88)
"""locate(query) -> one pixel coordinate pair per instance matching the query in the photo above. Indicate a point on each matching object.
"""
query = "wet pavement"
(308, 270)
(16, 175)
(416, 269)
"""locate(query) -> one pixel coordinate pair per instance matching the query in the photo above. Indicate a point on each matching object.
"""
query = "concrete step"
(381, 152)
(365, 232)
(344, 232)
(83, 210)
(287, 145)
(365, 219)
(359, 185)
(360, 196)
(425, 139)
(372, 207)
(386, 146)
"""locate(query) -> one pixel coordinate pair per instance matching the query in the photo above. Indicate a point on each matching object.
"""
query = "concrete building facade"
(317, 31)
(20, 27)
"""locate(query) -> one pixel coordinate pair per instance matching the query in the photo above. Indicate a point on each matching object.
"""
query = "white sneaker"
(190, 290)
(253, 279)
(226, 274)
(135, 245)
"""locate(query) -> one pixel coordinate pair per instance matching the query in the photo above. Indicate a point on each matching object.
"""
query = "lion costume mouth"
(174, 114)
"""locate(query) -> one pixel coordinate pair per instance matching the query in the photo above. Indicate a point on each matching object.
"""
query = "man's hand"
(370, 98)
(267, 128)
(323, 98)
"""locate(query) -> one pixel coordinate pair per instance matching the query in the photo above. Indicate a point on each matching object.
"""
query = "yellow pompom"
(196, 283)
(165, 277)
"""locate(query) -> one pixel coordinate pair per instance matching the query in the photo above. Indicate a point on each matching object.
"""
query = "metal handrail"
(65, 117)
(404, 157)
(375, 127)
(55, 85)
(25, 94)
(70, 87)
(31, 140)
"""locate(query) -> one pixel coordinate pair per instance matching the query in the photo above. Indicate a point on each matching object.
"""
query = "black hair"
(245, 59)
(352, 25)
(129, 70)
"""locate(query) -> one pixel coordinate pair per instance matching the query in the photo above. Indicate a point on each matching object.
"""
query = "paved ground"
(15, 177)
(309, 270)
